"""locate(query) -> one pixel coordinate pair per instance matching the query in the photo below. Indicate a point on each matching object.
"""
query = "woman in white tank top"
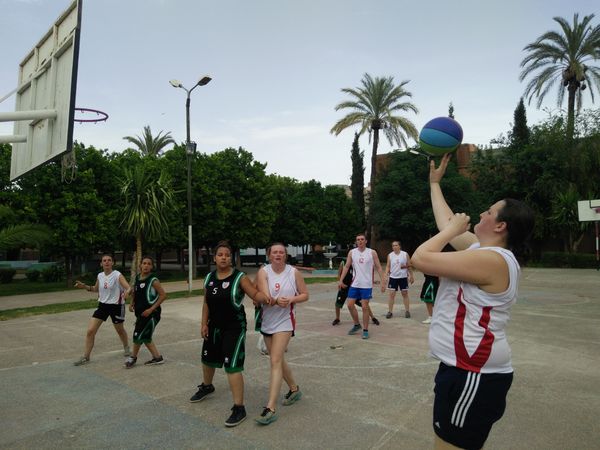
(478, 285)
(284, 287)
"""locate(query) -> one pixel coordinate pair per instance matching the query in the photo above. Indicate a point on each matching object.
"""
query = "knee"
(91, 333)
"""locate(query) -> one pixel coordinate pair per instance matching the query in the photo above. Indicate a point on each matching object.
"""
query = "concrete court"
(374, 394)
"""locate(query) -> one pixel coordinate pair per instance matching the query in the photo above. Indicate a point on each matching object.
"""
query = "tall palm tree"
(146, 200)
(564, 57)
(373, 106)
(147, 144)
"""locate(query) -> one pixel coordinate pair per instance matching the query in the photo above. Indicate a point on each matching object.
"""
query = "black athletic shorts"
(467, 404)
(116, 312)
(225, 348)
(398, 284)
(144, 327)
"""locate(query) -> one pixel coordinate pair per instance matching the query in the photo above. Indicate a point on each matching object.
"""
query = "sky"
(278, 67)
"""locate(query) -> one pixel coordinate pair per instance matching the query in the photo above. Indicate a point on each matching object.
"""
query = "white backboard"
(588, 210)
(47, 81)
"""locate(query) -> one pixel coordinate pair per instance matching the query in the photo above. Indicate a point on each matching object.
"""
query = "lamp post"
(190, 149)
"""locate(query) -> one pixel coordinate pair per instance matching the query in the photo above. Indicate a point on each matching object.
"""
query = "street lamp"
(190, 149)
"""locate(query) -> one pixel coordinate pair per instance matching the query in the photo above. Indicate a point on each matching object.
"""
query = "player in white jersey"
(284, 286)
(478, 285)
(362, 260)
(399, 274)
(112, 288)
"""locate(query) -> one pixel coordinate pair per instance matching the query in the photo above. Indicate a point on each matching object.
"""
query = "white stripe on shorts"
(466, 398)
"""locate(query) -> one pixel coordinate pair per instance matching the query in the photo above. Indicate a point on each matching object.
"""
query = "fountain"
(330, 254)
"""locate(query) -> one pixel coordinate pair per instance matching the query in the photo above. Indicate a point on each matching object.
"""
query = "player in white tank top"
(285, 287)
(363, 260)
(399, 275)
(112, 288)
(478, 285)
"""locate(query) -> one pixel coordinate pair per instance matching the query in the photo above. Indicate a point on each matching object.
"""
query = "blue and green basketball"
(440, 135)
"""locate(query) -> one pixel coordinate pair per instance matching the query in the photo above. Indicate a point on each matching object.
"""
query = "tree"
(146, 202)
(81, 215)
(357, 183)
(520, 132)
(233, 199)
(402, 207)
(564, 57)
(148, 145)
(373, 107)
(20, 235)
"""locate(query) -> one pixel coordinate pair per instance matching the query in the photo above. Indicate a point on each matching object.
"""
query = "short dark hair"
(222, 244)
(520, 220)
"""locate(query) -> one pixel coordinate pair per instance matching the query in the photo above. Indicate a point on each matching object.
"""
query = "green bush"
(573, 260)
(33, 275)
(53, 273)
(6, 274)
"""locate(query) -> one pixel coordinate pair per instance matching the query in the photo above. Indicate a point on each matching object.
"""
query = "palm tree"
(373, 106)
(564, 57)
(149, 145)
(24, 235)
(146, 201)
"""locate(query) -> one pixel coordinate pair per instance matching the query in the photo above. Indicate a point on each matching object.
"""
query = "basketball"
(440, 135)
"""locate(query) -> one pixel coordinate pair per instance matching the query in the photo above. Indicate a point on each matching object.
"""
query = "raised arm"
(441, 210)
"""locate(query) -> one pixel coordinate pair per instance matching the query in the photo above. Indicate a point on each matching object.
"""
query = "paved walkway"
(374, 394)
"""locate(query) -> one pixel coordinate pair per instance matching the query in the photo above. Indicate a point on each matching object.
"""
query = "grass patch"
(22, 287)
(317, 280)
(58, 308)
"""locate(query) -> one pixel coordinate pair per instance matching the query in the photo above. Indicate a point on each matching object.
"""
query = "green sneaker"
(292, 397)
(267, 416)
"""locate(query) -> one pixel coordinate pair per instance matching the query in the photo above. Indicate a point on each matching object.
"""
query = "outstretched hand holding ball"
(440, 136)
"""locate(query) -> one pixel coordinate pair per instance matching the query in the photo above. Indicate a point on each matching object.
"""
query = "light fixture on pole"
(190, 149)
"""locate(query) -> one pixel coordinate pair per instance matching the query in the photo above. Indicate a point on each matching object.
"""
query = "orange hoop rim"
(101, 116)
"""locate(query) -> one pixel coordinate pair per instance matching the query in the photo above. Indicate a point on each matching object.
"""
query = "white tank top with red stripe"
(275, 318)
(468, 327)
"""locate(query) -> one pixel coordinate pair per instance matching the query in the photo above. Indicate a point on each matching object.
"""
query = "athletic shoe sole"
(235, 424)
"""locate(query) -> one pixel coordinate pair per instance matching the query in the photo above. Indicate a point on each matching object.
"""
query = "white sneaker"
(427, 321)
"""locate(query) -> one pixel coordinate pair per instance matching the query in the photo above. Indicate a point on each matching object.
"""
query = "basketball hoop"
(68, 162)
(101, 116)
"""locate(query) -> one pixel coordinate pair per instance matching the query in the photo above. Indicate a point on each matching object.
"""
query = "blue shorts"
(398, 284)
(360, 293)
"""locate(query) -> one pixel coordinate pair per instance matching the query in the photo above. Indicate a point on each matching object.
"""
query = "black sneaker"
(388, 315)
(407, 314)
(203, 391)
(130, 362)
(375, 320)
(155, 361)
(238, 415)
